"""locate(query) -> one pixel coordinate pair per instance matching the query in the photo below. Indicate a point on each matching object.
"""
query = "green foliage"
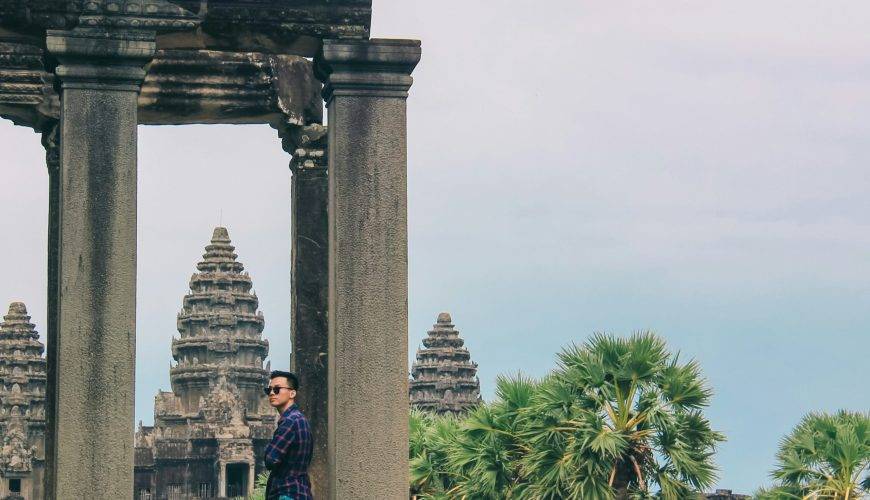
(260, 487)
(430, 439)
(825, 457)
(617, 417)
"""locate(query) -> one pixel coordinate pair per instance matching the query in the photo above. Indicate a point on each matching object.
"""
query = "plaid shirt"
(288, 456)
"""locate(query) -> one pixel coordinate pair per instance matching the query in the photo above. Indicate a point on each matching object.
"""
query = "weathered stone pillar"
(101, 72)
(222, 479)
(310, 291)
(51, 142)
(366, 85)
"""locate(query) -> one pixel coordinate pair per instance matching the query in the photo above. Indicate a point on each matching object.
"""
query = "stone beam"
(181, 87)
(272, 26)
(366, 85)
(201, 86)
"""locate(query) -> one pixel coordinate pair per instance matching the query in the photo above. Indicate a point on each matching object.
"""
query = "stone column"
(51, 142)
(309, 297)
(222, 479)
(101, 73)
(366, 86)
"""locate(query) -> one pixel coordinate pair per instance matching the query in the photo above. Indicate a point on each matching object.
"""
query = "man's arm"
(284, 436)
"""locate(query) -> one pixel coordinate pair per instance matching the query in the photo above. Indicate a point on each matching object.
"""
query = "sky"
(699, 169)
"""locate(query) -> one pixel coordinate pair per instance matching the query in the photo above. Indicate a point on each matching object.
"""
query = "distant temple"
(210, 432)
(22, 407)
(444, 379)
(725, 495)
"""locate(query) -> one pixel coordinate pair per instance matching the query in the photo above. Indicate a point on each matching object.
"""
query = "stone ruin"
(85, 73)
(211, 430)
(444, 379)
(22, 407)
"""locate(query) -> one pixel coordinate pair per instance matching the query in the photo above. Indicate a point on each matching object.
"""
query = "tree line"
(618, 418)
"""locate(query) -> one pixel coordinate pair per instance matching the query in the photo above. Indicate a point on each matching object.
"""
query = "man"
(289, 453)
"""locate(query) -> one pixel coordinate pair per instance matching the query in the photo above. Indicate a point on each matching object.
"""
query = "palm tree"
(260, 487)
(485, 455)
(431, 440)
(617, 416)
(825, 457)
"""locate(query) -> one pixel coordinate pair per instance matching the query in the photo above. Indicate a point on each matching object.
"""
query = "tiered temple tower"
(22, 407)
(210, 432)
(444, 379)
(722, 494)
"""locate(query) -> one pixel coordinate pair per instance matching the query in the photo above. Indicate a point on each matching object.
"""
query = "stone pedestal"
(366, 85)
(101, 72)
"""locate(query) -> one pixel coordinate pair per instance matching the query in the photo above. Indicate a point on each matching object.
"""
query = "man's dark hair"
(291, 378)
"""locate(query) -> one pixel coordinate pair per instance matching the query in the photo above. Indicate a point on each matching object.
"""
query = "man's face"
(284, 396)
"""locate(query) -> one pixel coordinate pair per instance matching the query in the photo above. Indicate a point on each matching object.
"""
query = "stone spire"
(444, 377)
(220, 332)
(210, 431)
(22, 395)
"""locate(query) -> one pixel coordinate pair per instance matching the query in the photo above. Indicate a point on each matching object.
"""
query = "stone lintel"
(181, 87)
(100, 45)
(272, 26)
(277, 26)
(204, 86)
(378, 67)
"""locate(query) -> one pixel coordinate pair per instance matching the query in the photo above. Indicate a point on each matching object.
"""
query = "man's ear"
(292, 393)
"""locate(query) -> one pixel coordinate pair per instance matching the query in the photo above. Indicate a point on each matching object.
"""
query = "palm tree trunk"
(621, 493)
(624, 474)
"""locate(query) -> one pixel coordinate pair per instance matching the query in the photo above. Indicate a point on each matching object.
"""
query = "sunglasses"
(274, 389)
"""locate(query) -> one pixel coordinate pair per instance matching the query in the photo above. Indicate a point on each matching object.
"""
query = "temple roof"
(220, 253)
(444, 379)
(16, 330)
(16, 319)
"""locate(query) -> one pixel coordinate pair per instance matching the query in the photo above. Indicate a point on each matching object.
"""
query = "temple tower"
(221, 329)
(22, 407)
(211, 430)
(444, 379)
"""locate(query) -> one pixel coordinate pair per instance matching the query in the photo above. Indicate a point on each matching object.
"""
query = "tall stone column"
(310, 287)
(100, 72)
(222, 479)
(366, 86)
(51, 142)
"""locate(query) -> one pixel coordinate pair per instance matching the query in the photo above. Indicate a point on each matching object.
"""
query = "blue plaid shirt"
(288, 456)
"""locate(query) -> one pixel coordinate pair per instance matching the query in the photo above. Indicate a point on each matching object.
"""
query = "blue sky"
(698, 169)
